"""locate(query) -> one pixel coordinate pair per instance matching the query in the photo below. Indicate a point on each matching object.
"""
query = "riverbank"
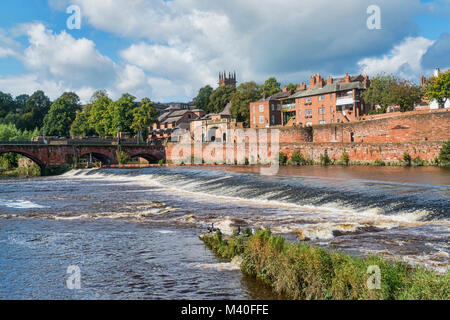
(30, 171)
(301, 271)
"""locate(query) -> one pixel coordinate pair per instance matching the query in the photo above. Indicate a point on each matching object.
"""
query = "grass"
(302, 271)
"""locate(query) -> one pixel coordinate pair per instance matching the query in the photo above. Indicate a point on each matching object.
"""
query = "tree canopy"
(271, 86)
(61, 115)
(245, 93)
(220, 98)
(438, 88)
(202, 99)
(378, 92)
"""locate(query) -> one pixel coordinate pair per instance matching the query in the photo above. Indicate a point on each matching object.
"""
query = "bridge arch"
(151, 158)
(26, 154)
(103, 158)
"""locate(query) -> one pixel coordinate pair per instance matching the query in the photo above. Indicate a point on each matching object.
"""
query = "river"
(133, 234)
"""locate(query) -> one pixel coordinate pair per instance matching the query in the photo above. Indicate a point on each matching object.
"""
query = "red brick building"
(321, 102)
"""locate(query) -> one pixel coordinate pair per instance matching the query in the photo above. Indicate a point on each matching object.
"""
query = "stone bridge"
(55, 156)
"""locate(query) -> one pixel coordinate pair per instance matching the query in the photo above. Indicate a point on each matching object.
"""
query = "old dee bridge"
(56, 156)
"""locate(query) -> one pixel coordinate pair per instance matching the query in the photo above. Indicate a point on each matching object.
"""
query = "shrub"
(407, 158)
(161, 162)
(444, 155)
(345, 158)
(282, 158)
(297, 158)
(122, 157)
(418, 162)
(379, 162)
(325, 159)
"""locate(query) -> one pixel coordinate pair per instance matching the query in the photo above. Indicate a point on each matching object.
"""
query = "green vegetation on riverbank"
(301, 271)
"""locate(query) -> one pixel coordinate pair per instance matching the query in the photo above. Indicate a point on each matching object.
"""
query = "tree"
(81, 126)
(101, 114)
(245, 93)
(292, 86)
(377, 93)
(219, 98)
(6, 104)
(37, 107)
(144, 115)
(202, 99)
(62, 114)
(405, 95)
(21, 101)
(122, 117)
(438, 88)
(271, 86)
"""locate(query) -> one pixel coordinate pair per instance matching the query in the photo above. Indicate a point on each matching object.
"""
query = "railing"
(72, 143)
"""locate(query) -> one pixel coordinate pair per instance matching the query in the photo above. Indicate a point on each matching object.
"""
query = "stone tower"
(225, 81)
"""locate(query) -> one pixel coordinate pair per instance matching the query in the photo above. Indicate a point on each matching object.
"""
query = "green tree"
(81, 126)
(6, 104)
(219, 98)
(36, 108)
(271, 86)
(21, 101)
(61, 115)
(292, 86)
(122, 117)
(405, 94)
(202, 99)
(378, 92)
(143, 116)
(438, 88)
(245, 93)
(101, 114)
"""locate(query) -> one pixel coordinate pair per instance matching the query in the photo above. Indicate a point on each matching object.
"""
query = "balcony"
(344, 100)
(290, 106)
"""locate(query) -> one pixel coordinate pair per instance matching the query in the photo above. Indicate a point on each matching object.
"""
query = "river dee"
(134, 233)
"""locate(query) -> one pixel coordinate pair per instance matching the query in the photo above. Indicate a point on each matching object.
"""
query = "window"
(261, 108)
(278, 107)
(309, 124)
(273, 108)
(273, 119)
(254, 109)
(322, 122)
(254, 119)
(308, 113)
(321, 98)
(331, 109)
(331, 96)
(322, 110)
(261, 119)
(308, 100)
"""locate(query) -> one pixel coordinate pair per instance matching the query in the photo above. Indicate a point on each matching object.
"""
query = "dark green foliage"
(271, 86)
(202, 99)
(444, 155)
(345, 158)
(325, 159)
(246, 92)
(62, 114)
(297, 158)
(407, 158)
(282, 158)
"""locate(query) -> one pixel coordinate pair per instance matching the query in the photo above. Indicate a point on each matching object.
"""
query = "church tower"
(225, 81)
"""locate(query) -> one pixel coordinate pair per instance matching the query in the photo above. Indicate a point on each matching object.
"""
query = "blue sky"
(167, 50)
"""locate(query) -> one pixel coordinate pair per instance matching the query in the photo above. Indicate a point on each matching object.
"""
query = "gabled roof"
(227, 110)
(328, 88)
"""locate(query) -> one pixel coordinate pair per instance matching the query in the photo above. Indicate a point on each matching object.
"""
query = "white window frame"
(261, 119)
(261, 108)
(321, 98)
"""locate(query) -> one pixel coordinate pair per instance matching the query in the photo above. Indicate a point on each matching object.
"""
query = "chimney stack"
(330, 80)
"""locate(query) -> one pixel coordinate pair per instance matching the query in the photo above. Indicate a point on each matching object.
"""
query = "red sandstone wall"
(405, 128)
(392, 152)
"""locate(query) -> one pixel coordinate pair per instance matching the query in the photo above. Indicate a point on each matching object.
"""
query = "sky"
(168, 49)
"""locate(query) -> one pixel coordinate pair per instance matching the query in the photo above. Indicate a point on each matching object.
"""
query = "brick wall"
(404, 128)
